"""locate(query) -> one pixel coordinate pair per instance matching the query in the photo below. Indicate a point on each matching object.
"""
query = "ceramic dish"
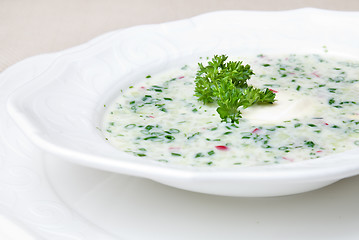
(61, 109)
(56, 199)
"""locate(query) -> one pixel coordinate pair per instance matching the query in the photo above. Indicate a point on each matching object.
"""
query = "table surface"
(29, 28)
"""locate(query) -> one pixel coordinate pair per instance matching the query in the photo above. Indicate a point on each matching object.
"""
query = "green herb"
(211, 152)
(310, 144)
(176, 154)
(193, 135)
(332, 90)
(151, 138)
(146, 97)
(226, 84)
(283, 148)
(141, 154)
(199, 155)
(174, 130)
(170, 137)
(163, 160)
(184, 67)
(149, 127)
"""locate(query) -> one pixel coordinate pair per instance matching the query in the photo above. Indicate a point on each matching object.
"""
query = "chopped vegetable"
(222, 148)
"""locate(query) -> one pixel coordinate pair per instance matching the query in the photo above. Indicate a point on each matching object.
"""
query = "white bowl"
(61, 109)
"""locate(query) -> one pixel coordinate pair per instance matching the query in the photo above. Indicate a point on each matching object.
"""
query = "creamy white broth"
(316, 114)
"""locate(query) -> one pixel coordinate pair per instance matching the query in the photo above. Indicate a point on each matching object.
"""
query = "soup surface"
(316, 113)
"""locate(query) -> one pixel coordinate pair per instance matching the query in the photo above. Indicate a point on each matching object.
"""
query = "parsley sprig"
(226, 83)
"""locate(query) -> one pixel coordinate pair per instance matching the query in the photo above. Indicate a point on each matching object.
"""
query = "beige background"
(31, 27)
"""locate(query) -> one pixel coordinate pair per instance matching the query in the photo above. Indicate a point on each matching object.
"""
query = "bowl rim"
(301, 171)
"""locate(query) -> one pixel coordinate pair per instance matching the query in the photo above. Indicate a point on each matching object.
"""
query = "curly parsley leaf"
(226, 84)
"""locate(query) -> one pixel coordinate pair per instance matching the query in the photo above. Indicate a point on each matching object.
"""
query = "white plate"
(57, 200)
(61, 109)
